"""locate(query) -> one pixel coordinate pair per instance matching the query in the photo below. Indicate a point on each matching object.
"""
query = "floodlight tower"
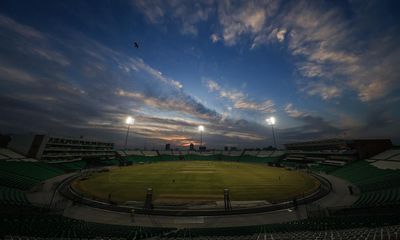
(271, 121)
(129, 121)
(201, 130)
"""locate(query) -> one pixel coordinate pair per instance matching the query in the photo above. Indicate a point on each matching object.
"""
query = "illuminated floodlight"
(201, 128)
(130, 120)
(271, 121)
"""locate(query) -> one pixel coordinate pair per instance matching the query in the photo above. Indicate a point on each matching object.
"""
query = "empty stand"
(12, 196)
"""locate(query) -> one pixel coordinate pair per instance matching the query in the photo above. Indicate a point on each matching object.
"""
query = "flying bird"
(136, 45)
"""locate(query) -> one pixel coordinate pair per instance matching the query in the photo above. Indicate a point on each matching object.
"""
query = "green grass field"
(191, 181)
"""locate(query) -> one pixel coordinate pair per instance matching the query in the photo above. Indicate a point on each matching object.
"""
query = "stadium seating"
(389, 154)
(121, 153)
(383, 197)
(12, 196)
(362, 173)
(55, 226)
(73, 166)
(379, 187)
(9, 154)
(24, 175)
(150, 153)
(324, 168)
(264, 153)
(251, 152)
(166, 152)
(110, 162)
(133, 153)
(386, 164)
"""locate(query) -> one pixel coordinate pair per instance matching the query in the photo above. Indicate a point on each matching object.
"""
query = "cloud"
(313, 127)
(213, 86)
(280, 35)
(179, 102)
(23, 30)
(14, 75)
(215, 38)
(82, 100)
(327, 47)
(326, 92)
(246, 18)
(186, 14)
(239, 99)
(292, 112)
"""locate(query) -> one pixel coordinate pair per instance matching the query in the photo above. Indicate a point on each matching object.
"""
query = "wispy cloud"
(325, 45)
(239, 99)
(14, 75)
(313, 127)
(187, 14)
(107, 85)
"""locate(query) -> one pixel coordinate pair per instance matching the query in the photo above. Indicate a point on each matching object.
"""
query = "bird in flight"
(136, 45)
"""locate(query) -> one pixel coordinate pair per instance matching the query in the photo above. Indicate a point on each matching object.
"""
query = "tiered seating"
(133, 153)
(12, 196)
(217, 152)
(207, 153)
(395, 158)
(380, 233)
(24, 175)
(55, 226)
(169, 152)
(378, 187)
(277, 153)
(390, 196)
(387, 164)
(264, 153)
(121, 153)
(74, 166)
(150, 153)
(251, 152)
(38, 171)
(235, 153)
(324, 168)
(9, 154)
(363, 173)
(386, 154)
(16, 181)
(176, 153)
(110, 162)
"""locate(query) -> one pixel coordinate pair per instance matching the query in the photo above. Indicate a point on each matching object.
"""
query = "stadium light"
(272, 121)
(129, 121)
(201, 130)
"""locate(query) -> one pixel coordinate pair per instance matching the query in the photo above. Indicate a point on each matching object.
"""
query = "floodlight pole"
(127, 134)
(273, 134)
(201, 138)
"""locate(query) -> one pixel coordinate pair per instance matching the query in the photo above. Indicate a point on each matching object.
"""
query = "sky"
(323, 69)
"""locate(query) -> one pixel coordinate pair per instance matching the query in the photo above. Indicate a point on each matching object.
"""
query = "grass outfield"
(189, 181)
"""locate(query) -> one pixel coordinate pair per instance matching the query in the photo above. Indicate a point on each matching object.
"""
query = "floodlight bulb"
(271, 121)
(201, 128)
(130, 120)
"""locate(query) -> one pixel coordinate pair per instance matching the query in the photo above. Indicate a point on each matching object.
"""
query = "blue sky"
(324, 69)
